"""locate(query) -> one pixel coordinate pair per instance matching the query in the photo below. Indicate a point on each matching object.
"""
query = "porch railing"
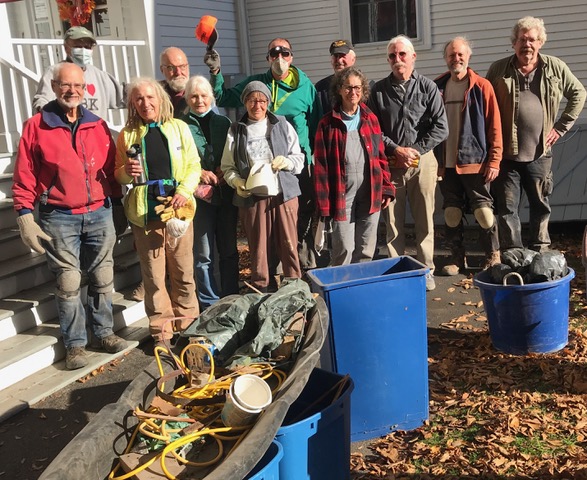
(21, 71)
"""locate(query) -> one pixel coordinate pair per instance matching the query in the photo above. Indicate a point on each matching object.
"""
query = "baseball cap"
(341, 46)
(75, 33)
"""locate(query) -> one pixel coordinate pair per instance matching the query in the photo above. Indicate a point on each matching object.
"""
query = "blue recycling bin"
(531, 318)
(315, 434)
(268, 466)
(378, 335)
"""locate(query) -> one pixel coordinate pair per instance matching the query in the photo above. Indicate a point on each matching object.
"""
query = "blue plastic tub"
(531, 318)
(268, 466)
(378, 335)
(315, 433)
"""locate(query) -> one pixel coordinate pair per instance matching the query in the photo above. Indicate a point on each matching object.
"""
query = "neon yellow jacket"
(185, 166)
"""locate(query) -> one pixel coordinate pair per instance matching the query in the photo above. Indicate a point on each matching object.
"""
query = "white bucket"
(246, 399)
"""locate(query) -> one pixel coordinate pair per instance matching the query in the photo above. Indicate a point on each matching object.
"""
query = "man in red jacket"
(469, 158)
(65, 164)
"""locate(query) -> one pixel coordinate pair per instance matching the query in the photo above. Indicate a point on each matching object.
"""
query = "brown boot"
(491, 258)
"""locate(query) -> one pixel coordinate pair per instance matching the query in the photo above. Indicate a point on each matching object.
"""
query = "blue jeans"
(81, 242)
(215, 226)
(537, 181)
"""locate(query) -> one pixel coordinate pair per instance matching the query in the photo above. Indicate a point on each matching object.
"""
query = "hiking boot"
(113, 343)
(430, 283)
(75, 357)
(138, 294)
(456, 263)
(491, 259)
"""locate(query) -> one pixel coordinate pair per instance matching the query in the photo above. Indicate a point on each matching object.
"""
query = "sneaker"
(75, 357)
(138, 294)
(113, 343)
(430, 283)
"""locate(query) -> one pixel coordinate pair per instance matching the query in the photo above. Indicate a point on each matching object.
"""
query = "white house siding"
(175, 23)
(310, 26)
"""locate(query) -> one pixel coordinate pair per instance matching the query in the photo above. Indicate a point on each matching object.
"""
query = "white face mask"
(279, 66)
(81, 56)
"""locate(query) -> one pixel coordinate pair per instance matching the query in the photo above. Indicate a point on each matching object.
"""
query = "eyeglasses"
(279, 50)
(254, 101)
(64, 86)
(401, 55)
(353, 88)
(175, 68)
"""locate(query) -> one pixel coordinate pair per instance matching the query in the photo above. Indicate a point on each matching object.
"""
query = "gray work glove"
(31, 233)
(212, 59)
(119, 219)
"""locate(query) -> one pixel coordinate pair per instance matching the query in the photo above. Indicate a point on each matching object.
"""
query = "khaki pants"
(418, 186)
(271, 224)
(161, 254)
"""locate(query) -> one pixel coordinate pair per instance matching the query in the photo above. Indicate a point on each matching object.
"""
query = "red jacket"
(76, 178)
(329, 163)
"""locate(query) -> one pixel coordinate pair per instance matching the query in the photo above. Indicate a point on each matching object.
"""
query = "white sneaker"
(430, 283)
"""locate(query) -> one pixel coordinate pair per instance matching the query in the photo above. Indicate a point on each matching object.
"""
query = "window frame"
(422, 42)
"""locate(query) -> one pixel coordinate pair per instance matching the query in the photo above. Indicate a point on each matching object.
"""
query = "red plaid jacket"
(329, 163)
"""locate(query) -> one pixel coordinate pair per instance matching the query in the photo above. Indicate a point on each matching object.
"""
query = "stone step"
(10, 244)
(54, 377)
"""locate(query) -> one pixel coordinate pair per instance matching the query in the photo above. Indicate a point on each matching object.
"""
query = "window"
(380, 20)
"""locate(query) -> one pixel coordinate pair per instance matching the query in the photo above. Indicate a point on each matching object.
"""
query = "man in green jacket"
(292, 95)
(530, 86)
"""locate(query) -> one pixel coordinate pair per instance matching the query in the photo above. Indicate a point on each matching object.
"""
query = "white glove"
(31, 233)
(281, 163)
(239, 186)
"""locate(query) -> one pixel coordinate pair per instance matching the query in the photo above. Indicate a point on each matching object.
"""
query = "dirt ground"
(30, 440)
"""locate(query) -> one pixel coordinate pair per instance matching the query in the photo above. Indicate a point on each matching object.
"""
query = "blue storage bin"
(315, 433)
(532, 318)
(378, 335)
(268, 466)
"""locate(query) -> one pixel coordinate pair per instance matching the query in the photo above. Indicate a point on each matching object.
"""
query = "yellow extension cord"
(149, 428)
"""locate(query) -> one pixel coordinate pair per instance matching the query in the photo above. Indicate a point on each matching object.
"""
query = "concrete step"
(54, 377)
(10, 244)
(27, 352)
(7, 213)
(7, 162)
(5, 185)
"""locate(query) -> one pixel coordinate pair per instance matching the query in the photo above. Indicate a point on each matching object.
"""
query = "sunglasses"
(279, 50)
(401, 55)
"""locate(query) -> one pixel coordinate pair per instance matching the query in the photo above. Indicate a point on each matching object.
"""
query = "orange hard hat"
(206, 28)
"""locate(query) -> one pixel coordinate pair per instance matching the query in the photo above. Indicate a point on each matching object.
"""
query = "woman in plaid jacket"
(351, 174)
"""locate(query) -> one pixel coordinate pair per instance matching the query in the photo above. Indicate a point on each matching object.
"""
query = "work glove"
(239, 186)
(119, 219)
(165, 210)
(212, 60)
(31, 233)
(281, 163)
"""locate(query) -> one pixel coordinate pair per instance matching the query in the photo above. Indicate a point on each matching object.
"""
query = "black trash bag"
(498, 271)
(547, 266)
(518, 258)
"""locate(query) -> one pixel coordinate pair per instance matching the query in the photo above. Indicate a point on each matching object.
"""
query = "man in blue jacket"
(469, 158)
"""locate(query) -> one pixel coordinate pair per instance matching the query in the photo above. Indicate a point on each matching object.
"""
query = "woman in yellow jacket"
(164, 180)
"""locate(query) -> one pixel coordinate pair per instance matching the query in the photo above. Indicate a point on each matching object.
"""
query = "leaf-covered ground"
(493, 415)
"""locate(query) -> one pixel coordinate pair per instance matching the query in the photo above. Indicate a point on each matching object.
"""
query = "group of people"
(344, 151)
